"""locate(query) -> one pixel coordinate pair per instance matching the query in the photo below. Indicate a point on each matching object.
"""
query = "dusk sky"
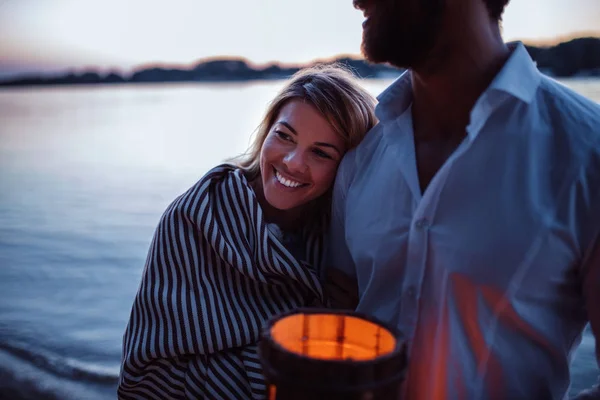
(51, 35)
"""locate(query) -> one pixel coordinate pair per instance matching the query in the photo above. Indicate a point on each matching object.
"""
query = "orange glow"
(433, 373)
(332, 337)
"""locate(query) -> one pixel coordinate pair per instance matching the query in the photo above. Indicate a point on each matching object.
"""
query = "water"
(85, 173)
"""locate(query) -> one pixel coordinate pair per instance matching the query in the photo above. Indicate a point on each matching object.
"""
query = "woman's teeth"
(286, 182)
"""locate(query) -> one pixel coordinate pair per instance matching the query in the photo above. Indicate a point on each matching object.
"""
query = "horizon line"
(187, 65)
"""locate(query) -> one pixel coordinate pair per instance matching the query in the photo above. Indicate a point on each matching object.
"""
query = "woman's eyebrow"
(323, 144)
(287, 125)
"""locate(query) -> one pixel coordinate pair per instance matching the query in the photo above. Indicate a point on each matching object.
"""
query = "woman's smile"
(287, 181)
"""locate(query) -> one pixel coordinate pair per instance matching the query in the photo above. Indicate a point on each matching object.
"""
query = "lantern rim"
(398, 350)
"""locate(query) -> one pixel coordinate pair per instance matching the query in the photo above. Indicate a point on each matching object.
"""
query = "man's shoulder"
(570, 111)
(551, 88)
(574, 122)
(355, 159)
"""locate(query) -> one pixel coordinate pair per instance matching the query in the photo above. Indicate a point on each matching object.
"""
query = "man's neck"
(446, 90)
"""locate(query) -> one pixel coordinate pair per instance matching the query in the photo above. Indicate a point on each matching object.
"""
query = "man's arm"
(591, 292)
(340, 273)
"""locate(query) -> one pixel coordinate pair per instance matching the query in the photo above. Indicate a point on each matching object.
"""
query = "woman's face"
(299, 157)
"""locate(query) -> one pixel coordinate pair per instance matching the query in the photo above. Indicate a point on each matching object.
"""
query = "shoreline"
(576, 57)
(221, 83)
(24, 380)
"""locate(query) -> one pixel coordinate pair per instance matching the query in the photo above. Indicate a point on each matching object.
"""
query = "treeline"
(573, 58)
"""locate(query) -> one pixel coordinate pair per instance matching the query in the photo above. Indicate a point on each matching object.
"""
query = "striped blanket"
(214, 274)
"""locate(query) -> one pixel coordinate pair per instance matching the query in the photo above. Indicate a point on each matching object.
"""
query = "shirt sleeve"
(339, 256)
(591, 292)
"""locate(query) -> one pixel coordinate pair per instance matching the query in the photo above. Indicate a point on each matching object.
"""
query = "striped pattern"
(213, 276)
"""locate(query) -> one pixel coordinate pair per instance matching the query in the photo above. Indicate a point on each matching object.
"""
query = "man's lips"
(361, 5)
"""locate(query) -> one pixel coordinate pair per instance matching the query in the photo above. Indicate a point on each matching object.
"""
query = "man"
(470, 215)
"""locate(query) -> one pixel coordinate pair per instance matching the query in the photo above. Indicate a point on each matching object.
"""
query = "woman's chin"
(284, 205)
(285, 200)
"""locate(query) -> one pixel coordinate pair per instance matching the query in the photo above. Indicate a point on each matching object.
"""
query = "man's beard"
(402, 33)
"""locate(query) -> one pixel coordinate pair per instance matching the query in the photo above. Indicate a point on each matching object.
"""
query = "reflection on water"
(85, 173)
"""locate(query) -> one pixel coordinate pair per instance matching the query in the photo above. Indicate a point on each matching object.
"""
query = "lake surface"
(85, 173)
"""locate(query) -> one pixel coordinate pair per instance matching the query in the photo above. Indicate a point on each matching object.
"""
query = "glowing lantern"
(326, 354)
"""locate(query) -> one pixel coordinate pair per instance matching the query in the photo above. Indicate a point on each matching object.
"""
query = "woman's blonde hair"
(336, 95)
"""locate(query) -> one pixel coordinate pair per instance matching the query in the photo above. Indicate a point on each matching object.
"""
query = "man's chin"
(374, 55)
(396, 57)
(369, 54)
(376, 48)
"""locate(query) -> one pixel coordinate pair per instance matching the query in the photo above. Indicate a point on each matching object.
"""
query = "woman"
(242, 245)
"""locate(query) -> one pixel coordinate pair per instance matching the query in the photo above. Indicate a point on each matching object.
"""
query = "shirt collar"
(394, 100)
(519, 77)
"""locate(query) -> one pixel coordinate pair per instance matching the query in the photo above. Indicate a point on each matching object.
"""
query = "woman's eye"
(321, 153)
(284, 136)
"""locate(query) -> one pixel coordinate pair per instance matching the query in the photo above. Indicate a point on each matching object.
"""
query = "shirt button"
(410, 292)
(422, 223)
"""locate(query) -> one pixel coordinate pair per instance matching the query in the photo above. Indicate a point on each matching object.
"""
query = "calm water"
(85, 173)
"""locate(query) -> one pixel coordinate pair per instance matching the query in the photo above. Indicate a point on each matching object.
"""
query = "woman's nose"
(295, 162)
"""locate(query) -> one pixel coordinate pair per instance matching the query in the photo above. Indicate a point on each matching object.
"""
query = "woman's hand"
(341, 290)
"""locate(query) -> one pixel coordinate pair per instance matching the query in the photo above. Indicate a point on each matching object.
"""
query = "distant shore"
(577, 57)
